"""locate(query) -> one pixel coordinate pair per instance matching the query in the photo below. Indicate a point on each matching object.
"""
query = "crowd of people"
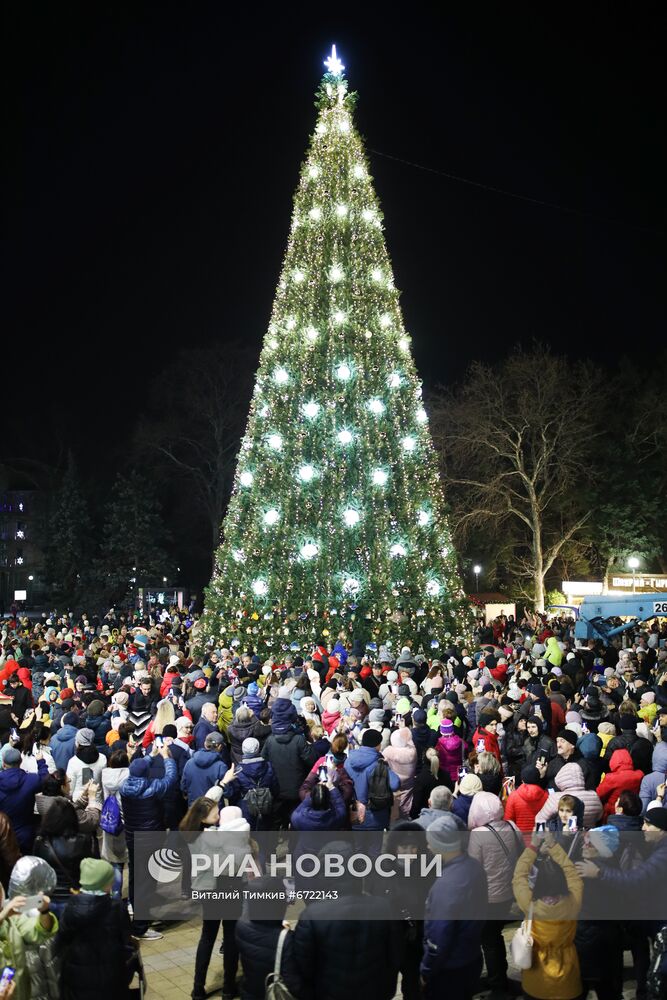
(556, 751)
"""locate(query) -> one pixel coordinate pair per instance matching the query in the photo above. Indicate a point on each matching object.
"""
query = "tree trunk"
(538, 554)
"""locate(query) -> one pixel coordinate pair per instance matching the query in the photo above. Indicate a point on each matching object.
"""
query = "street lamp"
(477, 569)
(633, 563)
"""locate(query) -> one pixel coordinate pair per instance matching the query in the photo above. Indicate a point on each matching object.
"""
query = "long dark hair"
(60, 819)
(320, 797)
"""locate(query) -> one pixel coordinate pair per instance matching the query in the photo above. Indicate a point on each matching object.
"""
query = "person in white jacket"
(87, 762)
(114, 846)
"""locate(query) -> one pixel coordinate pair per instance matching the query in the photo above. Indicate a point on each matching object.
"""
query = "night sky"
(152, 152)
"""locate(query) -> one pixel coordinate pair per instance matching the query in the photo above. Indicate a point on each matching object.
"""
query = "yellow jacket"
(554, 974)
(225, 712)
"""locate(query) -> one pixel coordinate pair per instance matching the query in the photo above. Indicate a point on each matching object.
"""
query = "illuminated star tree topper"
(333, 63)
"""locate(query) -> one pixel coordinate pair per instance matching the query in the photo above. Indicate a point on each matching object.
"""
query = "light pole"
(477, 569)
(633, 563)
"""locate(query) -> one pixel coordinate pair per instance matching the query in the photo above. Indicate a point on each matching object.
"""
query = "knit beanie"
(446, 727)
(402, 706)
(444, 833)
(376, 715)
(371, 738)
(333, 706)
(657, 816)
(95, 875)
(607, 729)
(627, 722)
(250, 747)
(70, 719)
(470, 784)
(96, 708)
(419, 716)
(84, 738)
(568, 735)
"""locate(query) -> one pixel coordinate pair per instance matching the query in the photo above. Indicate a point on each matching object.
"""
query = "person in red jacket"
(621, 778)
(499, 672)
(523, 805)
(485, 737)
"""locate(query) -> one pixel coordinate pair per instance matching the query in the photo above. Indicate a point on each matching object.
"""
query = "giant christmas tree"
(336, 521)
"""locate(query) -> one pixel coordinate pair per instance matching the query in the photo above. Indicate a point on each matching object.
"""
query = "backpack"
(259, 801)
(380, 795)
(276, 988)
(111, 820)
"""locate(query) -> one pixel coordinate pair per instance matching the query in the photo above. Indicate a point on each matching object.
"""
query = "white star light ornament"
(306, 473)
(246, 478)
(310, 409)
(260, 588)
(333, 63)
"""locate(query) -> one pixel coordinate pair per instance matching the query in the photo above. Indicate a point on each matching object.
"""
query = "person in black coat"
(430, 776)
(257, 935)
(358, 947)
(423, 736)
(60, 842)
(94, 938)
(21, 697)
(288, 753)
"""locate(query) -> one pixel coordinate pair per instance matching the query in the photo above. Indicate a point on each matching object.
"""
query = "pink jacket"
(329, 721)
(570, 780)
(401, 755)
(451, 752)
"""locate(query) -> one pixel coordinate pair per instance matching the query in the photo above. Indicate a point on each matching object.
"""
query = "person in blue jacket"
(324, 809)
(452, 960)
(205, 768)
(141, 800)
(360, 764)
(17, 794)
(62, 745)
(253, 700)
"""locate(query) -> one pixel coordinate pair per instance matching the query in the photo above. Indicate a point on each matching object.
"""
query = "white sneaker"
(151, 935)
